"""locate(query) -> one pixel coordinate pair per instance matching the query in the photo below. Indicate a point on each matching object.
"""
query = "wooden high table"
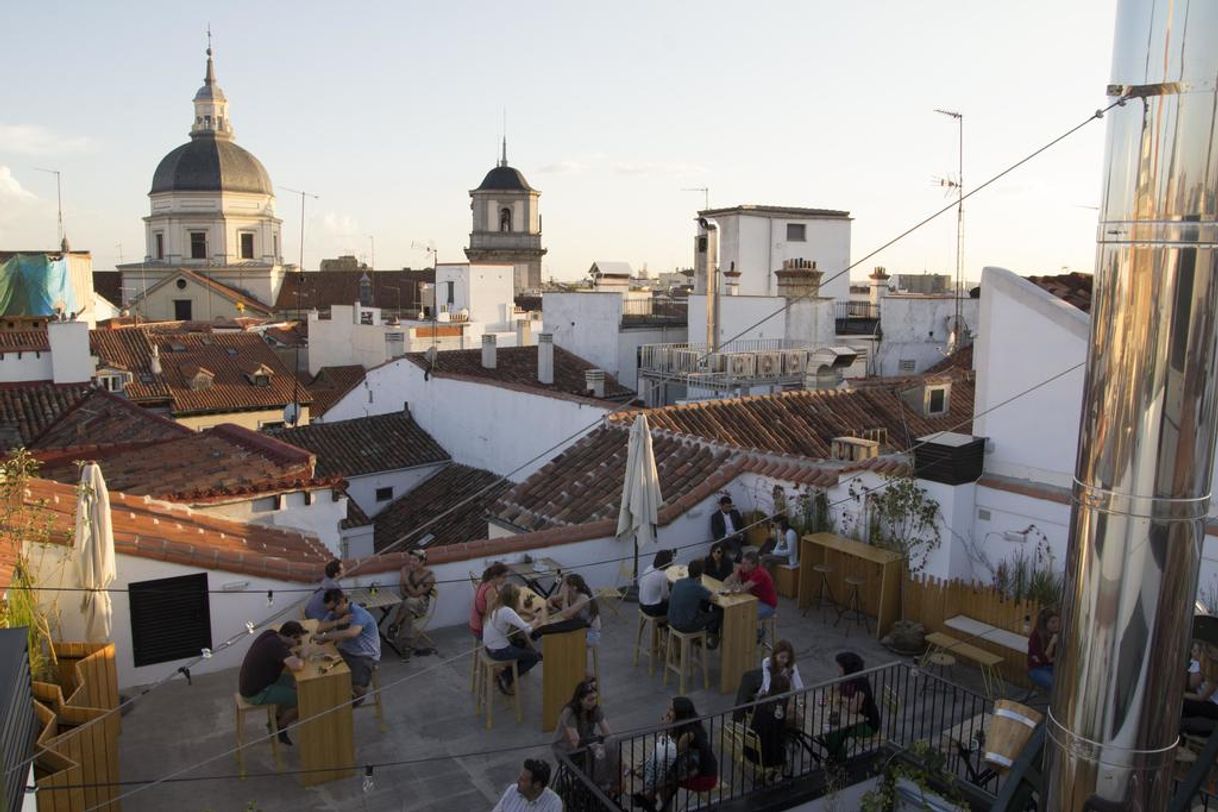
(737, 637)
(323, 686)
(880, 596)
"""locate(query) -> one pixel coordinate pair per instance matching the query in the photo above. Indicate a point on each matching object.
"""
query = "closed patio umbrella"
(93, 546)
(641, 495)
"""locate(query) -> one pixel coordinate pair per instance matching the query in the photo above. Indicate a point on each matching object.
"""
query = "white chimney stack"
(489, 352)
(154, 365)
(594, 382)
(545, 358)
(524, 333)
(71, 361)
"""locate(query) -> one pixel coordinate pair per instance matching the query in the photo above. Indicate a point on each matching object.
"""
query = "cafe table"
(323, 689)
(532, 573)
(738, 635)
(386, 599)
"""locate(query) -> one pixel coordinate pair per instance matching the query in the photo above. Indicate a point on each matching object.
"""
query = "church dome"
(210, 164)
(504, 178)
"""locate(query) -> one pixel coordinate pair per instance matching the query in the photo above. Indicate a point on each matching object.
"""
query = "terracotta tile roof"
(24, 341)
(331, 384)
(449, 489)
(109, 286)
(27, 409)
(221, 464)
(584, 483)
(365, 445)
(100, 421)
(147, 528)
(295, 334)
(245, 301)
(517, 366)
(961, 359)
(231, 358)
(803, 424)
(322, 289)
(1072, 288)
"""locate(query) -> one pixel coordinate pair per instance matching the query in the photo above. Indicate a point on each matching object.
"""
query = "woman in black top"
(770, 719)
(697, 766)
(852, 696)
(718, 563)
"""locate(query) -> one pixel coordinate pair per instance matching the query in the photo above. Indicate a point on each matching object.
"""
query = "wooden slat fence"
(931, 601)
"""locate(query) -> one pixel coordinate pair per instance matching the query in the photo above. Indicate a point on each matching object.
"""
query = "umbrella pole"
(630, 592)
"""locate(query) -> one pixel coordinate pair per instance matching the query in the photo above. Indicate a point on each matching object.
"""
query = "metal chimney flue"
(490, 354)
(1146, 444)
(545, 358)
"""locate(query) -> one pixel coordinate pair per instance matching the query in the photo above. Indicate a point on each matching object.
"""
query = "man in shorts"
(359, 641)
(266, 672)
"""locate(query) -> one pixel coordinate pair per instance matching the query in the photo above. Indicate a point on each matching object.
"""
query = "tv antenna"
(705, 194)
(58, 196)
(957, 183)
(303, 195)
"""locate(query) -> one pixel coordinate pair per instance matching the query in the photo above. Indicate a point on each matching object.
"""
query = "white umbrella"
(94, 548)
(641, 496)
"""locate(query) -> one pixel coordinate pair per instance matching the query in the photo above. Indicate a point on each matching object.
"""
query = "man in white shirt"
(530, 793)
(653, 586)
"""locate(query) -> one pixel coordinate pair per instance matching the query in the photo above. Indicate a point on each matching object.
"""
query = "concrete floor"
(458, 764)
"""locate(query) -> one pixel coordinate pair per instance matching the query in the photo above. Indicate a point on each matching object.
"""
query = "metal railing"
(658, 310)
(857, 310)
(801, 756)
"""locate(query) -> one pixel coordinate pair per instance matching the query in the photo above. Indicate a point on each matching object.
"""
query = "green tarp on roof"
(34, 285)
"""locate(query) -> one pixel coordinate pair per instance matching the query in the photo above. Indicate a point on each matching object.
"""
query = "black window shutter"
(170, 618)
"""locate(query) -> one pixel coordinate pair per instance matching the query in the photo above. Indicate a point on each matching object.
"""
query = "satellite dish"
(291, 413)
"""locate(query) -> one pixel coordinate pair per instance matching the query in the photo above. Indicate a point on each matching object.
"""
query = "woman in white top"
(786, 550)
(653, 586)
(781, 661)
(501, 622)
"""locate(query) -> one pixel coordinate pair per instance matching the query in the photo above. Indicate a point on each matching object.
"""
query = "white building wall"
(25, 365)
(587, 324)
(363, 488)
(747, 317)
(481, 425)
(915, 328)
(487, 291)
(321, 519)
(758, 246)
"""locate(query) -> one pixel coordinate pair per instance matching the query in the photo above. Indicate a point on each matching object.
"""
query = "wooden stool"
(244, 706)
(681, 646)
(854, 603)
(376, 698)
(595, 653)
(659, 638)
(489, 668)
(473, 665)
(822, 587)
(940, 660)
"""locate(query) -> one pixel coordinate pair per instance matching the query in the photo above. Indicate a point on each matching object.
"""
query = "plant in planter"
(920, 781)
(901, 517)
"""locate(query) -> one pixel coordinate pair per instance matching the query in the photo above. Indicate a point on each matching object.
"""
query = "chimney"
(706, 254)
(1149, 415)
(879, 284)
(154, 364)
(594, 382)
(545, 358)
(488, 351)
(524, 333)
(799, 278)
(71, 360)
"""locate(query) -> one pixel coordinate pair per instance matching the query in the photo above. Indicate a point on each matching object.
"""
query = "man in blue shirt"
(316, 609)
(689, 608)
(355, 631)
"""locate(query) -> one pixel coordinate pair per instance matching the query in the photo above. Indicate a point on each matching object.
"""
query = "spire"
(211, 106)
(503, 160)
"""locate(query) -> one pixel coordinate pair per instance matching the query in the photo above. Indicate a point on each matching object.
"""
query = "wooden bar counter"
(324, 685)
(737, 637)
(881, 595)
(564, 665)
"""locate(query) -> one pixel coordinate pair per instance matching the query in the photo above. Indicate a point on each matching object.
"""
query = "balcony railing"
(856, 318)
(914, 706)
(660, 311)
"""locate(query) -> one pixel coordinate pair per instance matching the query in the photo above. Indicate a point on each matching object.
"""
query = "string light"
(270, 597)
(368, 779)
(249, 627)
(206, 653)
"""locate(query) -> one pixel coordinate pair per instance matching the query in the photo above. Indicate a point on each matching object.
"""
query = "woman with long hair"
(771, 718)
(718, 563)
(696, 765)
(855, 698)
(581, 733)
(781, 661)
(1042, 648)
(486, 595)
(500, 624)
(577, 609)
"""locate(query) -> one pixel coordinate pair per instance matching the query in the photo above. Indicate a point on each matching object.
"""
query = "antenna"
(705, 194)
(302, 194)
(58, 197)
(958, 185)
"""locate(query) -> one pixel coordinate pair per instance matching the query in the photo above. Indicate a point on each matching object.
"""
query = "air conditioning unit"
(854, 449)
(794, 362)
(769, 364)
(742, 365)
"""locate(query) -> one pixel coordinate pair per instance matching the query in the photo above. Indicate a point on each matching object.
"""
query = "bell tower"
(506, 224)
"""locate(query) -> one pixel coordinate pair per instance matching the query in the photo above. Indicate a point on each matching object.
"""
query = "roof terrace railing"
(792, 757)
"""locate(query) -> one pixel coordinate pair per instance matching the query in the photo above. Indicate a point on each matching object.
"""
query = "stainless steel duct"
(1146, 446)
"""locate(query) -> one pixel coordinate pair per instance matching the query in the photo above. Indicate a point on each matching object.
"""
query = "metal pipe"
(1146, 445)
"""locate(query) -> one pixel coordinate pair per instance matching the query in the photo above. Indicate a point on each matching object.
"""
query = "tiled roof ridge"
(124, 403)
(266, 487)
(266, 445)
(538, 389)
(33, 340)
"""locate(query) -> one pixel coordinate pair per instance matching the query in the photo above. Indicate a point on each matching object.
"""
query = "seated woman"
(577, 609)
(581, 734)
(486, 596)
(785, 551)
(502, 621)
(1201, 695)
(696, 766)
(853, 697)
(653, 586)
(770, 722)
(718, 563)
(782, 661)
(1042, 648)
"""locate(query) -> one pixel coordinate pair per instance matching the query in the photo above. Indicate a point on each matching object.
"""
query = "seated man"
(727, 526)
(316, 607)
(416, 582)
(689, 608)
(264, 680)
(530, 790)
(359, 642)
(751, 577)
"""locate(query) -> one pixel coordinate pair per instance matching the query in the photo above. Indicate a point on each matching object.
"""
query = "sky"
(391, 112)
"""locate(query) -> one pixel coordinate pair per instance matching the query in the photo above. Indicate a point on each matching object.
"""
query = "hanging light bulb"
(270, 597)
(249, 627)
(206, 653)
(368, 785)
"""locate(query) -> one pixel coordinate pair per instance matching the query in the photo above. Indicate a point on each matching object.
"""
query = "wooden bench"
(786, 580)
(1012, 645)
(984, 660)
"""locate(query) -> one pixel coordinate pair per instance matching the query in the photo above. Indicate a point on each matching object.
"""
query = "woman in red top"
(1042, 648)
(495, 576)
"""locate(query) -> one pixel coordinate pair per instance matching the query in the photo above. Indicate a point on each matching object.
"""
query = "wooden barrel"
(1010, 728)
